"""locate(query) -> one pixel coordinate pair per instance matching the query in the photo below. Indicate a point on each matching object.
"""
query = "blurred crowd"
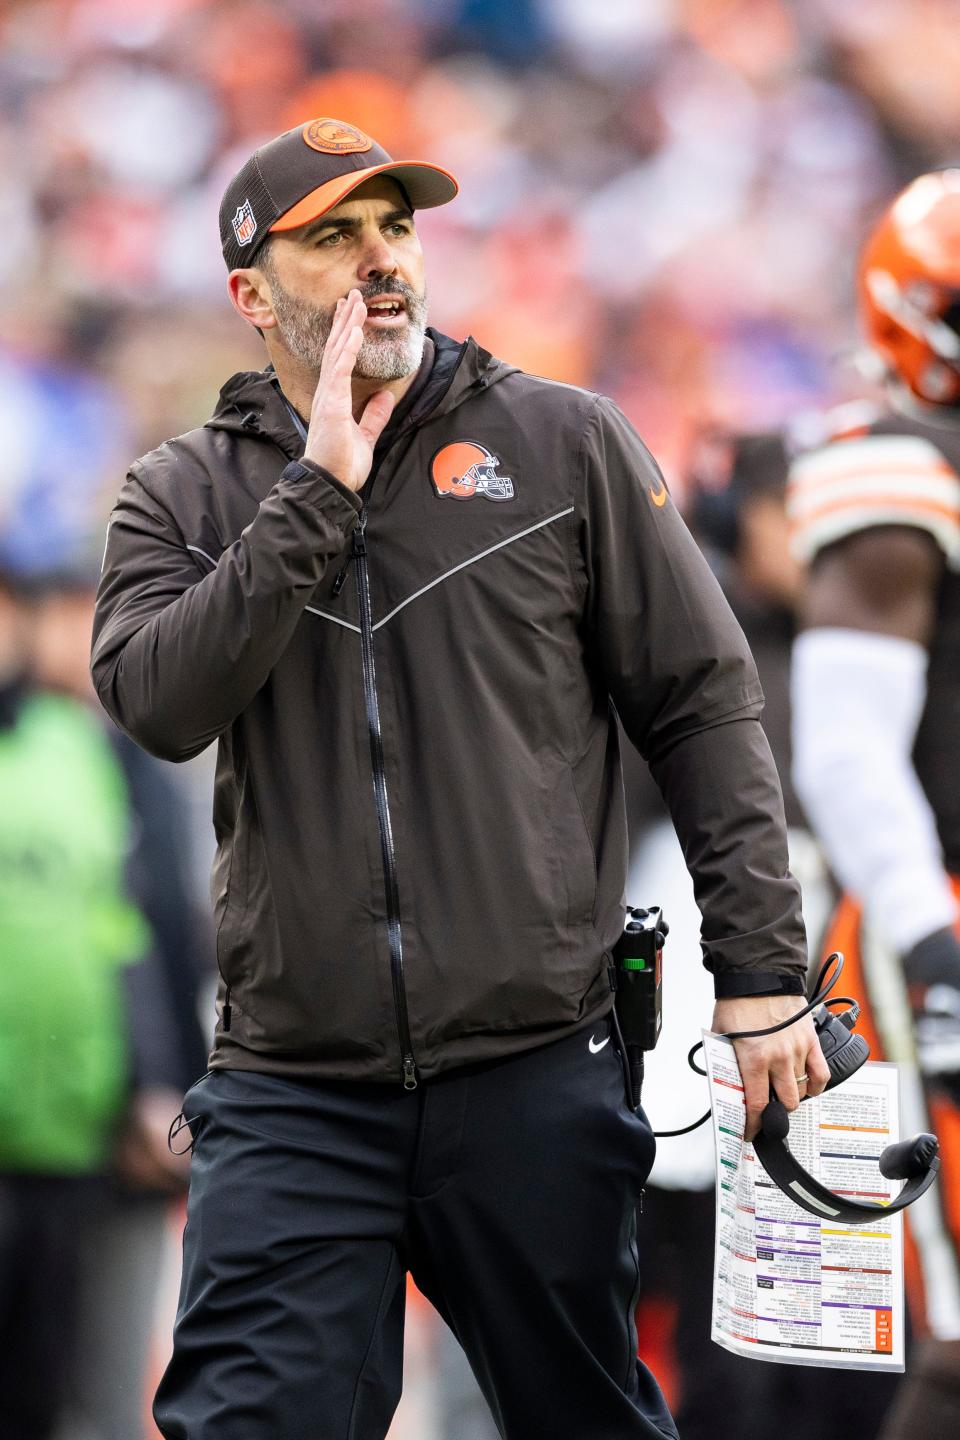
(660, 200)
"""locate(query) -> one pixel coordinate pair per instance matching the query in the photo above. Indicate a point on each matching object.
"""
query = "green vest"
(66, 928)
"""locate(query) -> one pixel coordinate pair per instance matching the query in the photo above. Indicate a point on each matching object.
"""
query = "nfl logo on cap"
(244, 223)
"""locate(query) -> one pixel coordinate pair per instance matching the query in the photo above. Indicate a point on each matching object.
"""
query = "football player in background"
(736, 507)
(876, 706)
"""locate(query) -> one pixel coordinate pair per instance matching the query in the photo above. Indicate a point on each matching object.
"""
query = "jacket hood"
(251, 401)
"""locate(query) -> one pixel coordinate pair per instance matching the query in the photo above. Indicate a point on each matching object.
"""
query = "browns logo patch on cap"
(333, 137)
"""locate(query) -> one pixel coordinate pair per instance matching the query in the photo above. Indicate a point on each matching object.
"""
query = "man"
(876, 682)
(403, 585)
(736, 490)
(72, 945)
(123, 1244)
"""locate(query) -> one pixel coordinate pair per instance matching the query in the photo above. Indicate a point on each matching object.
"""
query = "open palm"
(335, 440)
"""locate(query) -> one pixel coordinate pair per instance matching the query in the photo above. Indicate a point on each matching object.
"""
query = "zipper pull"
(409, 1073)
(358, 546)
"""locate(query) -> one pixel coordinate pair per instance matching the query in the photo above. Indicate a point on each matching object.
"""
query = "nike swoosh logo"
(595, 1048)
(659, 497)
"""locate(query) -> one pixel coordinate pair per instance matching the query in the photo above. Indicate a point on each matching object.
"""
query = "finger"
(343, 312)
(335, 342)
(756, 1084)
(347, 358)
(376, 413)
(352, 337)
(349, 312)
(354, 313)
(332, 347)
(818, 1071)
(333, 392)
(354, 310)
(783, 1080)
(756, 1096)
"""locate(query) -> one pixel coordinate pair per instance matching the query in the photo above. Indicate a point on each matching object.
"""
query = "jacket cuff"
(734, 984)
(299, 470)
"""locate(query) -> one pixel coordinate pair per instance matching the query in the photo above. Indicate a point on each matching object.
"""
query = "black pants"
(44, 1222)
(508, 1191)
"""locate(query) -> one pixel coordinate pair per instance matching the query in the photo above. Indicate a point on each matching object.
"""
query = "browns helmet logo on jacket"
(465, 469)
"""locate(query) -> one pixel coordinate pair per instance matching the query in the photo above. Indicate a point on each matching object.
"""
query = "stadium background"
(661, 199)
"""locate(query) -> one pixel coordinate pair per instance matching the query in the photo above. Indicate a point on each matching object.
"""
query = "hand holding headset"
(916, 1161)
(637, 1017)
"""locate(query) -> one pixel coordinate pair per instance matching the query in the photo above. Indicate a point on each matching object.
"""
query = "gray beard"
(383, 355)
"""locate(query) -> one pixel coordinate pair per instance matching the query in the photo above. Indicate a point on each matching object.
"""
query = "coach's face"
(369, 243)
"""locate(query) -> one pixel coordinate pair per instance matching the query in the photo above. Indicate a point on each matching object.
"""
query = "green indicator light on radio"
(634, 964)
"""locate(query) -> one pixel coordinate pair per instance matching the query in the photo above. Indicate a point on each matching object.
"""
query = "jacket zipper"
(391, 888)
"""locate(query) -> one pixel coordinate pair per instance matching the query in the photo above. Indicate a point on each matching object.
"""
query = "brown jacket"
(418, 803)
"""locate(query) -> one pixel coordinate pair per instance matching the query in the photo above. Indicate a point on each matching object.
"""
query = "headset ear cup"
(848, 1059)
(775, 1122)
(909, 1158)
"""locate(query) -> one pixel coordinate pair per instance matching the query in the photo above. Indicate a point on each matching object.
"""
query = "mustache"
(387, 286)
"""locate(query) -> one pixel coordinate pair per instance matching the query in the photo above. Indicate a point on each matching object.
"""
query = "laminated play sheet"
(788, 1286)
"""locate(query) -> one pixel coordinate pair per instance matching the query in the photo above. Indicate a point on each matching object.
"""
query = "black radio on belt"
(638, 966)
(638, 956)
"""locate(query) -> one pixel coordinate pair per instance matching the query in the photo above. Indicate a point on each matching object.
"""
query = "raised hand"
(335, 440)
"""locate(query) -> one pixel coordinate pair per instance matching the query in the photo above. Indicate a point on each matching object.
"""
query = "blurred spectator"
(69, 936)
(126, 1237)
(60, 617)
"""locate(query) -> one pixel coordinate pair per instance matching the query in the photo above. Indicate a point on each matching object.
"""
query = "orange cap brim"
(426, 185)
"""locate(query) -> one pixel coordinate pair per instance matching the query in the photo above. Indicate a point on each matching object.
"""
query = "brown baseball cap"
(303, 173)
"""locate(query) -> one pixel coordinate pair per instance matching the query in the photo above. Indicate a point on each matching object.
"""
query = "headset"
(636, 977)
(916, 1161)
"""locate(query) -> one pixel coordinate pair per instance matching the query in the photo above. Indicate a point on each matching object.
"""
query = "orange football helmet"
(465, 469)
(909, 287)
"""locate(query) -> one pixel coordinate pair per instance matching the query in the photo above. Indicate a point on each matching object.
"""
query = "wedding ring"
(799, 1079)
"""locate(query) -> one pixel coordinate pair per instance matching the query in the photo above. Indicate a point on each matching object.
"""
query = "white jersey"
(855, 483)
